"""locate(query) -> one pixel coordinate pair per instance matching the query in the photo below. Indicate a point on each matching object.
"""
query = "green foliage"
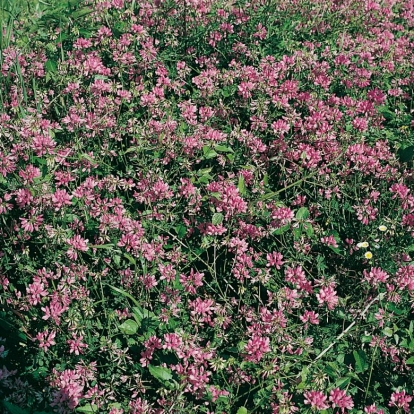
(211, 226)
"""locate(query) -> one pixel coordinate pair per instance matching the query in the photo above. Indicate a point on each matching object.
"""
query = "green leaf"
(69, 218)
(222, 148)
(331, 369)
(101, 246)
(297, 232)
(205, 179)
(281, 230)
(51, 66)
(216, 195)
(131, 149)
(230, 157)
(217, 219)
(82, 12)
(360, 361)
(365, 339)
(241, 185)
(302, 214)
(181, 230)
(410, 361)
(129, 327)
(38, 160)
(406, 154)
(14, 409)
(74, 3)
(309, 229)
(209, 152)
(242, 410)
(160, 373)
(395, 309)
(88, 158)
(130, 258)
(204, 171)
(337, 250)
(142, 313)
(137, 314)
(342, 382)
(228, 90)
(386, 113)
(115, 405)
(126, 294)
(88, 408)
(117, 260)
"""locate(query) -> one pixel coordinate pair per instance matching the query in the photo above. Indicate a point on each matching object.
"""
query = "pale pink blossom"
(339, 399)
(316, 399)
(328, 296)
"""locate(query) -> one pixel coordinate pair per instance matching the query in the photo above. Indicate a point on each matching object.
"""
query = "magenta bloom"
(316, 399)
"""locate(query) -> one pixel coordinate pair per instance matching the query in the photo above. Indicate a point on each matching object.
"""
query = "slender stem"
(273, 193)
(333, 343)
(370, 372)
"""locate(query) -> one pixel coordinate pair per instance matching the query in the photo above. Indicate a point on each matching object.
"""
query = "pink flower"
(256, 347)
(93, 65)
(329, 241)
(76, 345)
(245, 89)
(316, 399)
(216, 393)
(140, 406)
(281, 216)
(274, 259)
(31, 224)
(36, 290)
(360, 124)
(366, 213)
(69, 384)
(400, 400)
(329, 296)
(192, 281)
(77, 243)
(201, 310)
(340, 399)
(376, 95)
(375, 276)
(172, 342)
(167, 272)
(42, 144)
(229, 199)
(29, 173)
(404, 278)
(46, 339)
(23, 197)
(7, 163)
(296, 276)
(310, 316)
(372, 409)
(61, 198)
(148, 281)
(280, 127)
(197, 378)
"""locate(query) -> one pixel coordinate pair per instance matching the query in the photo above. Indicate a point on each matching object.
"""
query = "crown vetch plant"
(207, 206)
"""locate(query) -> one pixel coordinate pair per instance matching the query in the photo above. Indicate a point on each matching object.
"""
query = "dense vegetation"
(206, 206)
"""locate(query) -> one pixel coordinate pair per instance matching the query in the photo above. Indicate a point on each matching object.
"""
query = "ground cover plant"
(206, 206)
